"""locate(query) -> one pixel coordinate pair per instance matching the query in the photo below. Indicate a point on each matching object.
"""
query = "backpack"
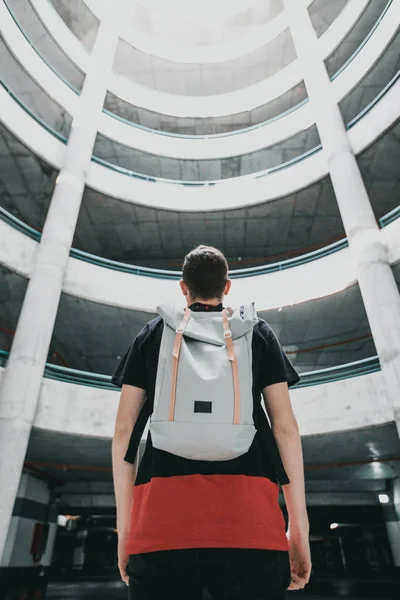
(203, 404)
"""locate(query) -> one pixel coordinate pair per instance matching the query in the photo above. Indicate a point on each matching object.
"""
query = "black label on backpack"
(202, 407)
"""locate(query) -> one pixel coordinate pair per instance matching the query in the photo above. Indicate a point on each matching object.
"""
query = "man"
(190, 524)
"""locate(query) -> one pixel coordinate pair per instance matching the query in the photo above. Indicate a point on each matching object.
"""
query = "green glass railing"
(390, 217)
(166, 274)
(176, 275)
(332, 374)
(3, 358)
(322, 376)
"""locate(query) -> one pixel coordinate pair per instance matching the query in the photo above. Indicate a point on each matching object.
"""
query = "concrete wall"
(339, 406)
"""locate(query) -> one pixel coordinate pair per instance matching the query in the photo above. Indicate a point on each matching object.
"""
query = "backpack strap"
(137, 433)
(175, 353)
(235, 370)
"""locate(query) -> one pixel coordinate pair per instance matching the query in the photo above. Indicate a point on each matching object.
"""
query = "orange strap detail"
(235, 370)
(175, 361)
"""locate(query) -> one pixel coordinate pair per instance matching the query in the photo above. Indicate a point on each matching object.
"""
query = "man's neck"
(214, 302)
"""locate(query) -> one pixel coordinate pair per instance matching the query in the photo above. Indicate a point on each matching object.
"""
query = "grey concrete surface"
(203, 80)
(338, 590)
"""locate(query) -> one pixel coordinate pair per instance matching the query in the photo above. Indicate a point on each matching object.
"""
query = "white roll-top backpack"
(203, 405)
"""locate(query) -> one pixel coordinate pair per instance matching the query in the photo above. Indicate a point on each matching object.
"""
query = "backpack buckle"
(180, 329)
(227, 334)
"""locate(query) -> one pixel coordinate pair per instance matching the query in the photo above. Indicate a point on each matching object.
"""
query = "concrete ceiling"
(12, 293)
(26, 16)
(206, 170)
(203, 80)
(189, 23)
(265, 233)
(379, 166)
(333, 451)
(26, 181)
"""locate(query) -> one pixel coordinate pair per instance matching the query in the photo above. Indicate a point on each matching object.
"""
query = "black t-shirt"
(179, 503)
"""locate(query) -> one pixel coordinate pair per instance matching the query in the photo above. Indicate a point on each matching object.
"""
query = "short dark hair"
(205, 272)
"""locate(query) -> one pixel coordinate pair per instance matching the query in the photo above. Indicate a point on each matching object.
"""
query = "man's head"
(205, 275)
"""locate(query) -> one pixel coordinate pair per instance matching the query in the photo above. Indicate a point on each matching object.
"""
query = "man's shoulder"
(150, 331)
(262, 330)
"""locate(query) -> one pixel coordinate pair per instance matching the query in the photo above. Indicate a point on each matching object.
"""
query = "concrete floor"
(329, 590)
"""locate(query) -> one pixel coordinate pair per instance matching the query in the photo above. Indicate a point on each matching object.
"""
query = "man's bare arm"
(286, 432)
(124, 474)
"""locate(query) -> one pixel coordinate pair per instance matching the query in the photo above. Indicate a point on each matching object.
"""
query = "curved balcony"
(207, 106)
(121, 285)
(206, 148)
(229, 194)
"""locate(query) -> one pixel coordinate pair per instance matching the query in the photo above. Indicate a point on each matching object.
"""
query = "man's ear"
(184, 288)
(228, 286)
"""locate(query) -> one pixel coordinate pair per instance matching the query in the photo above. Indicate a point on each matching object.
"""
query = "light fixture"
(334, 525)
(384, 498)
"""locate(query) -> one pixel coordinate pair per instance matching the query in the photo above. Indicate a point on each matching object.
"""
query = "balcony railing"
(322, 376)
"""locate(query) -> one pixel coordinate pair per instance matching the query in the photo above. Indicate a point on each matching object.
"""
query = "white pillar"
(370, 255)
(19, 392)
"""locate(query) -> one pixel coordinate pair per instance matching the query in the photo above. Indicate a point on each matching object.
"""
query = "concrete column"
(370, 255)
(19, 392)
(30, 509)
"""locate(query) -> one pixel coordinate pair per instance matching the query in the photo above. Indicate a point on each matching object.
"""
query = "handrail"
(176, 275)
(322, 376)
(22, 30)
(338, 373)
(390, 217)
